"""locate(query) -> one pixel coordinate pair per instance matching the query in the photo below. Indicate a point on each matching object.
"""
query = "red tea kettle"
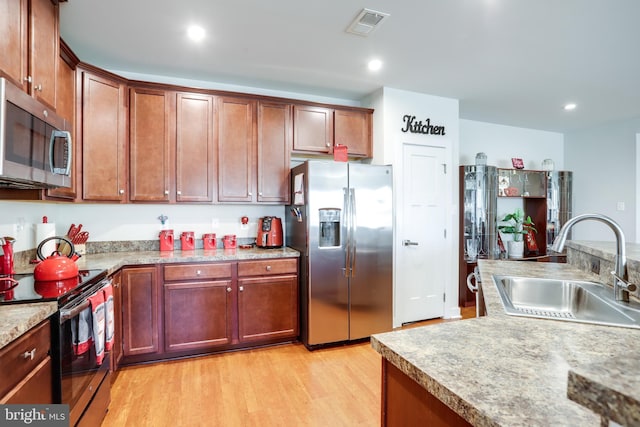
(56, 266)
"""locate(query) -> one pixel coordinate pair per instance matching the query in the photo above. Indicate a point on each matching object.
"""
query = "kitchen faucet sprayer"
(621, 285)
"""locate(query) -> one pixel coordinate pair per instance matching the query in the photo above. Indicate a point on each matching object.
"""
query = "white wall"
(604, 163)
(388, 141)
(500, 143)
(115, 222)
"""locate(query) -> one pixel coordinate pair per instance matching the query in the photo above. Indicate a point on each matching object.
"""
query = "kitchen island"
(501, 370)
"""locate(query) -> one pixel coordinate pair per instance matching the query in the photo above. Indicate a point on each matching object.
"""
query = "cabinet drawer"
(270, 266)
(197, 271)
(22, 356)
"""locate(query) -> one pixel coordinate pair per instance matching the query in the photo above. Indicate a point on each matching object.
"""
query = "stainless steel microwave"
(35, 144)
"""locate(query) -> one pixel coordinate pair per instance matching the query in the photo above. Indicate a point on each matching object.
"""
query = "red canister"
(188, 240)
(166, 240)
(229, 241)
(209, 241)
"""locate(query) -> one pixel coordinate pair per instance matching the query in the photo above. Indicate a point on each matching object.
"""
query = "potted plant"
(518, 226)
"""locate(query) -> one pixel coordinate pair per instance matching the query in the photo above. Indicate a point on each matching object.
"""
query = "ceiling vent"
(367, 22)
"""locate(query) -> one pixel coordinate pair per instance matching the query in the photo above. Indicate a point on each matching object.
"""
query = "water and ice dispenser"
(329, 227)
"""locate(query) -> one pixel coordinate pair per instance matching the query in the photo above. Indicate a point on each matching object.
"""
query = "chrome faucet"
(621, 285)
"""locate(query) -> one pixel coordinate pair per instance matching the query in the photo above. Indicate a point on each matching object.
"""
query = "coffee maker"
(269, 232)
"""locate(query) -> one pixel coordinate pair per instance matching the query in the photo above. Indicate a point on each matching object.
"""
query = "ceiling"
(513, 62)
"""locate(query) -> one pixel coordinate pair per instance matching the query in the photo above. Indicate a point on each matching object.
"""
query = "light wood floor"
(284, 385)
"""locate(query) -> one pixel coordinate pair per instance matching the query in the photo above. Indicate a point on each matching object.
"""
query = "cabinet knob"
(27, 79)
(38, 87)
(328, 144)
(250, 194)
(179, 192)
(121, 191)
(241, 288)
(268, 268)
(198, 272)
(166, 192)
(29, 355)
(260, 193)
(229, 289)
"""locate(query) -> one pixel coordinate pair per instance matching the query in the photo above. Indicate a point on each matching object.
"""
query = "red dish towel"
(81, 332)
(97, 305)
(109, 319)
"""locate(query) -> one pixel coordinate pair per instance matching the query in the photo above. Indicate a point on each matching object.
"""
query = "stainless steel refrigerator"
(341, 220)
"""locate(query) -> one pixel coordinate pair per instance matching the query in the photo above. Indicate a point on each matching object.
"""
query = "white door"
(421, 261)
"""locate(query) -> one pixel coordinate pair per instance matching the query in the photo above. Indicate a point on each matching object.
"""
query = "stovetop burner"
(28, 290)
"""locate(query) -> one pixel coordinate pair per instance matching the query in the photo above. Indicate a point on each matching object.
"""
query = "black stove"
(28, 290)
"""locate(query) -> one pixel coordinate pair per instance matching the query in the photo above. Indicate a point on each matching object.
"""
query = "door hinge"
(444, 297)
(444, 166)
(445, 233)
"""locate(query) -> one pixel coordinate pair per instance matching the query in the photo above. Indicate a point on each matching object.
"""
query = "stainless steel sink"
(568, 300)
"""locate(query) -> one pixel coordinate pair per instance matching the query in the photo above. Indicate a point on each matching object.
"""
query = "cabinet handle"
(27, 79)
(241, 288)
(38, 88)
(328, 144)
(198, 272)
(166, 192)
(121, 191)
(260, 193)
(250, 194)
(29, 355)
(268, 268)
(179, 192)
(229, 289)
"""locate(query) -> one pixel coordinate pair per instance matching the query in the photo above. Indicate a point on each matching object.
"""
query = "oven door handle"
(73, 312)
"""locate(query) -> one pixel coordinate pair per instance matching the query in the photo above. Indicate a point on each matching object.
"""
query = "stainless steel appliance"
(78, 379)
(35, 146)
(341, 220)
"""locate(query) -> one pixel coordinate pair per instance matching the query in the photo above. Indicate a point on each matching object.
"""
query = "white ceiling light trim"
(367, 22)
(570, 106)
(195, 33)
(374, 65)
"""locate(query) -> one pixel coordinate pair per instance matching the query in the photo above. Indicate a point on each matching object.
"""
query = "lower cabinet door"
(34, 388)
(268, 308)
(140, 324)
(197, 315)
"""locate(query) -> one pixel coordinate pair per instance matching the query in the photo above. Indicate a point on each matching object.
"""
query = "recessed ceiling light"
(570, 106)
(195, 33)
(375, 65)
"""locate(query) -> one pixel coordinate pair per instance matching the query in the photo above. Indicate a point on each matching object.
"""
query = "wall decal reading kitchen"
(413, 126)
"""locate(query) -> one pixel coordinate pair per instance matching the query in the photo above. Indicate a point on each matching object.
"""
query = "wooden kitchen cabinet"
(150, 144)
(195, 147)
(66, 108)
(353, 128)
(236, 149)
(198, 306)
(29, 35)
(312, 129)
(267, 300)
(26, 368)
(116, 351)
(274, 148)
(140, 311)
(103, 137)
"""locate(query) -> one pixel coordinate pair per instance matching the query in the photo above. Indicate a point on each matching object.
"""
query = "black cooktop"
(29, 290)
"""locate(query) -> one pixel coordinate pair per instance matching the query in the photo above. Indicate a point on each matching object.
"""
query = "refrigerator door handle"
(353, 226)
(347, 226)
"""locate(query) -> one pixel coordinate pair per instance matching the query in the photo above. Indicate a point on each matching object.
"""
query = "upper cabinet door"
(236, 149)
(43, 58)
(150, 113)
(313, 129)
(353, 129)
(14, 20)
(195, 159)
(274, 147)
(104, 173)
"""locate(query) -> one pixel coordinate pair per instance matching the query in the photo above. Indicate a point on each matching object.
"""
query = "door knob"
(409, 243)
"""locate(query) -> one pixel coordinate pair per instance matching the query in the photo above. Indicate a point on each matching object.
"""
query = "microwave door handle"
(67, 136)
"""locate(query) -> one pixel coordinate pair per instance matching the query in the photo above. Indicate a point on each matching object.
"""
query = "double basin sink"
(566, 300)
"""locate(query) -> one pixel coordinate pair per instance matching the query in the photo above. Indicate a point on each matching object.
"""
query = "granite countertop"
(16, 319)
(501, 370)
